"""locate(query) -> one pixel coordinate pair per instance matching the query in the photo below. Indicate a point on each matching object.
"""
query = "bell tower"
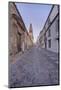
(31, 32)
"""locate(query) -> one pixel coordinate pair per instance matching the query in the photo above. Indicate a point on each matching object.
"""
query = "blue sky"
(35, 14)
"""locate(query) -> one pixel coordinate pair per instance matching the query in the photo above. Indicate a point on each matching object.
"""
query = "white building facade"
(51, 31)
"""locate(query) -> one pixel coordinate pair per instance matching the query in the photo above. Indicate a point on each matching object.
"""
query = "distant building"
(42, 39)
(19, 38)
(49, 36)
(28, 40)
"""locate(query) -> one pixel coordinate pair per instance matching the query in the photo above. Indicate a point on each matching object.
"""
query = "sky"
(35, 14)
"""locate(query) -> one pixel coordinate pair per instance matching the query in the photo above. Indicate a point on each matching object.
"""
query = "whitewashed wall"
(52, 27)
(54, 42)
(54, 13)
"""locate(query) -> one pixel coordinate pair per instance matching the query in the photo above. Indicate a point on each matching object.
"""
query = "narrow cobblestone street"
(36, 66)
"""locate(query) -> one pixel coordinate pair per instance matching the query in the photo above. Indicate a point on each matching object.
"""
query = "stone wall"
(19, 39)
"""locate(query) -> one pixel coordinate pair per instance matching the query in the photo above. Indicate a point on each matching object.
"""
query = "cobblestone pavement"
(36, 66)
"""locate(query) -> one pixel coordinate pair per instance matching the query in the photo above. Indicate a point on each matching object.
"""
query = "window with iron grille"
(49, 43)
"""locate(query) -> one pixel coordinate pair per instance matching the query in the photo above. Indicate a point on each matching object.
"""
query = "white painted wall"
(54, 12)
(52, 15)
(54, 34)
(54, 42)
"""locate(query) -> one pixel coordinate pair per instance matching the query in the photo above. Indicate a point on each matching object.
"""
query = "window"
(57, 25)
(57, 29)
(49, 43)
(49, 32)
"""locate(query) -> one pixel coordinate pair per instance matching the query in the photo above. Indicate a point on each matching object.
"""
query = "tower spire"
(30, 29)
(31, 32)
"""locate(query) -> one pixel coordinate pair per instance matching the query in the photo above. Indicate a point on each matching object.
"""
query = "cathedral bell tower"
(31, 32)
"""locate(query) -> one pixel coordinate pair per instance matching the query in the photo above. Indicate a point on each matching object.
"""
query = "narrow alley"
(36, 66)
